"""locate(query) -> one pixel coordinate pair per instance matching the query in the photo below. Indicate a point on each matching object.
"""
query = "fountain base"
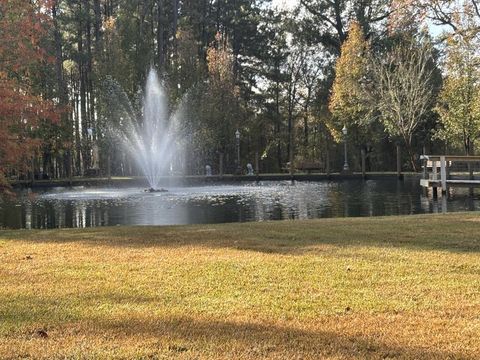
(152, 190)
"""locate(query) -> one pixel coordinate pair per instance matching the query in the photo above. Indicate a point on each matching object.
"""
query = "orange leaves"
(23, 25)
(346, 101)
(220, 61)
(22, 28)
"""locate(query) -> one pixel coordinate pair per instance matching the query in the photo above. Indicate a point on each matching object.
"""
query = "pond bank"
(201, 179)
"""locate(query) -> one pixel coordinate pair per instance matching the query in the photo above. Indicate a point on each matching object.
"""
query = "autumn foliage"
(222, 108)
(23, 25)
(346, 101)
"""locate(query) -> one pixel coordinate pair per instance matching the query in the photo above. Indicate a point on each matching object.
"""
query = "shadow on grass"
(215, 338)
(224, 338)
(78, 316)
(452, 232)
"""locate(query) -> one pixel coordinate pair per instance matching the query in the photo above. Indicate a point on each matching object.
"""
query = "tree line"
(392, 72)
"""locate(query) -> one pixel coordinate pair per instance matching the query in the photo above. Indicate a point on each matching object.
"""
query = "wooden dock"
(443, 180)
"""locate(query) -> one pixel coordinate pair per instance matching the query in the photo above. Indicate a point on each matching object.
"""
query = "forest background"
(289, 79)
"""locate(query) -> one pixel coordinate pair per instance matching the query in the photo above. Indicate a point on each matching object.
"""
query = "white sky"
(285, 4)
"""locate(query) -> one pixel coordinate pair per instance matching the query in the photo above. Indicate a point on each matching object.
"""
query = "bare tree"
(402, 89)
(456, 16)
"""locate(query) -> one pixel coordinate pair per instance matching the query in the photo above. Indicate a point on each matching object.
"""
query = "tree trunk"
(399, 161)
(277, 124)
(305, 119)
(62, 89)
(411, 155)
(89, 82)
(76, 114)
(291, 103)
(97, 28)
(83, 90)
(160, 37)
(204, 45)
(174, 24)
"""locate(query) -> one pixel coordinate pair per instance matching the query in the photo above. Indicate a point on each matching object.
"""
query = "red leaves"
(23, 26)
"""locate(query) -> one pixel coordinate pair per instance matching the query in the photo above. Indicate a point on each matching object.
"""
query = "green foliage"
(327, 21)
(215, 106)
(459, 101)
(287, 80)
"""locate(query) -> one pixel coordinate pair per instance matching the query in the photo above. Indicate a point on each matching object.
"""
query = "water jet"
(150, 136)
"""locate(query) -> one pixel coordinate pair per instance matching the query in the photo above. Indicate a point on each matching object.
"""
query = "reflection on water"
(85, 207)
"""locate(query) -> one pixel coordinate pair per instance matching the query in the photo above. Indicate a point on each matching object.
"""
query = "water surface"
(85, 207)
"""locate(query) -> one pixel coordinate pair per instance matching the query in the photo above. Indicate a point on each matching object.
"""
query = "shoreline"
(202, 179)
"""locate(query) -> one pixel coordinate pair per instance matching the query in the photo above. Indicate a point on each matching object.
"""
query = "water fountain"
(151, 137)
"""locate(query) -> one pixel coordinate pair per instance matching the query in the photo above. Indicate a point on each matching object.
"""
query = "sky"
(285, 4)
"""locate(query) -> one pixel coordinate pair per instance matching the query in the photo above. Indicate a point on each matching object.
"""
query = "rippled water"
(84, 207)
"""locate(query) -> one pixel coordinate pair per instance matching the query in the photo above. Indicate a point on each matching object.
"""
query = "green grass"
(393, 287)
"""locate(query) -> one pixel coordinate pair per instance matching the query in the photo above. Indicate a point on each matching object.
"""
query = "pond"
(220, 203)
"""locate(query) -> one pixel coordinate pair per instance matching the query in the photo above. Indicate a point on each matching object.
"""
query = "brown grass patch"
(398, 287)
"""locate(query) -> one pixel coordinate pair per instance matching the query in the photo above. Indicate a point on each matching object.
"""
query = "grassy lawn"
(393, 287)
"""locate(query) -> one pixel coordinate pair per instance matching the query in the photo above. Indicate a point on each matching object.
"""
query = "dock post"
(444, 204)
(443, 174)
(425, 167)
(257, 166)
(470, 171)
(424, 159)
(363, 164)
(434, 170)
